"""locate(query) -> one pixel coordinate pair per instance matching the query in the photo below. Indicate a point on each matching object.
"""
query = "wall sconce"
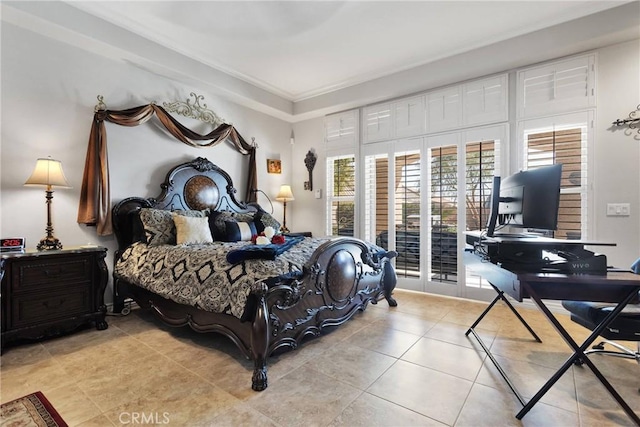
(48, 172)
(285, 195)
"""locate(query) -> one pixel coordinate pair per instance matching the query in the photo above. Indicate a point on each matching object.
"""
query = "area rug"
(32, 410)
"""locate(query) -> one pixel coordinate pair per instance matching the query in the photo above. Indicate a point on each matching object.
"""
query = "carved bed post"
(260, 339)
(389, 277)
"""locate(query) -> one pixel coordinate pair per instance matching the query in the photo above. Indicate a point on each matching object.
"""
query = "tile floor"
(410, 365)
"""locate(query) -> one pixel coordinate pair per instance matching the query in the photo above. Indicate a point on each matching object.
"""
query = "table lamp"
(48, 172)
(285, 195)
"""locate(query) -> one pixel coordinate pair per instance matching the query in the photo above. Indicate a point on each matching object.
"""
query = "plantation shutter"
(376, 184)
(377, 123)
(561, 86)
(341, 190)
(406, 212)
(444, 109)
(485, 101)
(481, 160)
(341, 128)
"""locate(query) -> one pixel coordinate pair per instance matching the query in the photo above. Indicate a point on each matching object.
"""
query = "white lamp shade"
(48, 172)
(285, 194)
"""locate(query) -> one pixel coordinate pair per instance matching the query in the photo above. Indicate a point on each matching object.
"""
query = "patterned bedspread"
(199, 275)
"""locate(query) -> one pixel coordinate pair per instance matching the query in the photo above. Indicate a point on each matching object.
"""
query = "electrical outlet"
(618, 209)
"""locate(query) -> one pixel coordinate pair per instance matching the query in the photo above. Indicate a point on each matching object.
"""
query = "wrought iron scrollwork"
(632, 121)
(193, 109)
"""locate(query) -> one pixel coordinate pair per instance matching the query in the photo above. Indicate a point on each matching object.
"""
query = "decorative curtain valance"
(95, 200)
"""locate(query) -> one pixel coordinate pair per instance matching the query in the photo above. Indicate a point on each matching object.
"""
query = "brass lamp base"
(284, 229)
(49, 243)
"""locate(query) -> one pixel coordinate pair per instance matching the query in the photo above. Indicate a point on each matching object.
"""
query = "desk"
(614, 287)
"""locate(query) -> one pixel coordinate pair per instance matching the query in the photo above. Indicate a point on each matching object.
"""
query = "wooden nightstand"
(50, 293)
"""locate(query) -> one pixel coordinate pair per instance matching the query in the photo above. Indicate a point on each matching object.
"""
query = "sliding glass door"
(421, 195)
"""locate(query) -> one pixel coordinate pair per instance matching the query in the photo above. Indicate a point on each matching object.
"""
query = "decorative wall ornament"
(310, 162)
(100, 105)
(632, 122)
(95, 196)
(194, 110)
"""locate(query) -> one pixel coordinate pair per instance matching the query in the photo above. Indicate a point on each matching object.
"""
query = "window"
(377, 199)
(444, 212)
(566, 145)
(406, 212)
(341, 191)
(481, 160)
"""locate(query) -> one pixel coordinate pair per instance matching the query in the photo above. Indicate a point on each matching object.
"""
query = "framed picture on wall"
(274, 166)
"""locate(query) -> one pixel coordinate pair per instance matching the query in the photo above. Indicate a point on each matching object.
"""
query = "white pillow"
(192, 229)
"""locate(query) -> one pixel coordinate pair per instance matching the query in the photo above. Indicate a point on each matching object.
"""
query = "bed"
(274, 298)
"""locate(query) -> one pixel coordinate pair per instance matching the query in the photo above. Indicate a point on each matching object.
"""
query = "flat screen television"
(529, 199)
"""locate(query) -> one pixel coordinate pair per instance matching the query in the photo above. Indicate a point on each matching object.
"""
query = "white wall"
(617, 154)
(48, 95)
(308, 212)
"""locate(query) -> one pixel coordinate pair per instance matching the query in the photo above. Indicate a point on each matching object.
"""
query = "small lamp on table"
(285, 195)
(48, 172)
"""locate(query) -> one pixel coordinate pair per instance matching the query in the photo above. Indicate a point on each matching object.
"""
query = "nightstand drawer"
(41, 273)
(35, 308)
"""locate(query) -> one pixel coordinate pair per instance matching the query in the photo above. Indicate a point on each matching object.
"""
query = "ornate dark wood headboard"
(195, 185)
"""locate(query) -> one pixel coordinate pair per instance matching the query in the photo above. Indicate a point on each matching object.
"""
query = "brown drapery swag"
(95, 197)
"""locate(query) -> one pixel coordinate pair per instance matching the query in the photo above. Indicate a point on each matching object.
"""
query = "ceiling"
(297, 60)
(301, 49)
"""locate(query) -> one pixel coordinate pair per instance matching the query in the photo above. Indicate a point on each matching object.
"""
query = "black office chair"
(626, 327)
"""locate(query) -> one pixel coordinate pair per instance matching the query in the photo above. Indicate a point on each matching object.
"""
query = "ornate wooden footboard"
(342, 276)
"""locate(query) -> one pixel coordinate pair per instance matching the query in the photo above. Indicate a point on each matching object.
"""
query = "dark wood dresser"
(50, 293)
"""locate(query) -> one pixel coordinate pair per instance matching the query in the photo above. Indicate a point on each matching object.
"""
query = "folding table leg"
(471, 330)
(578, 354)
(500, 296)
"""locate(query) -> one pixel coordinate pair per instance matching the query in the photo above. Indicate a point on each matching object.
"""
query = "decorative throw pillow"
(159, 228)
(240, 231)
(232, 227)
(263, 219)
(192, 229)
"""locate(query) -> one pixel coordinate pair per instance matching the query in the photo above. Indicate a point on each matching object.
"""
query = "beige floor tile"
(528, 378)
(99, 421)
(304, 397)
(72, 404)
(183, 406)
(489, 407)
(426, 391)
(139, 365)
(238, 416)
(410, 323)
(353, 365)
(455, 334)
(449, 358)
(41, 376)
(467, 314)
(368, 410)
(595, 403)
(22, 355)
(384, 339)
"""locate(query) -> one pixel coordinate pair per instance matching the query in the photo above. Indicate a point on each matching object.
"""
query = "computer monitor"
(528, 199)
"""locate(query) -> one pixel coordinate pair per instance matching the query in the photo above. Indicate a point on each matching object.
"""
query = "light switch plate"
(618, 209)
(318, 194)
